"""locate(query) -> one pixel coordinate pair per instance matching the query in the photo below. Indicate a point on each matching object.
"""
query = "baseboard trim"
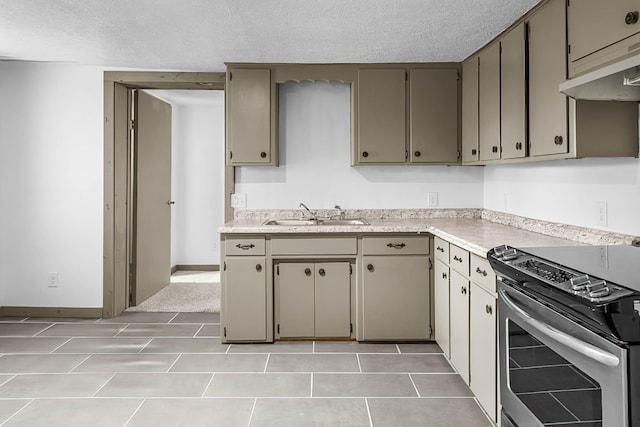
(174, 269)
(195, 267)
(78, 312)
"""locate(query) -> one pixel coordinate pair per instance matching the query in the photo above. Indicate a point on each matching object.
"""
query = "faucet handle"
(337, 207)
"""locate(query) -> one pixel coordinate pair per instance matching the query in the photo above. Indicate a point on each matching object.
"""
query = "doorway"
(118, 87)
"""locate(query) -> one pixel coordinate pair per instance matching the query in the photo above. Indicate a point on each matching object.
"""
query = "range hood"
(615, 82)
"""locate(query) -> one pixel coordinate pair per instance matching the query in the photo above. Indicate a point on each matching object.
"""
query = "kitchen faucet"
(340, 214)
(313, 216)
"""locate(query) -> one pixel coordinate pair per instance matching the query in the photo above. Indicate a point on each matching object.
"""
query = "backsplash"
(553, 229)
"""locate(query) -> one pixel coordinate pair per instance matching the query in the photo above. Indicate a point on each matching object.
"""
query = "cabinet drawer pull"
(483, 272)
(463, 290)
(488, 309)
(258, 268)
(457, 258)
(245, 247)
(396, 245)
(370, 267)
(321, 272)
(307, 271)
(444, 275)
(440, 249)
(631, 18)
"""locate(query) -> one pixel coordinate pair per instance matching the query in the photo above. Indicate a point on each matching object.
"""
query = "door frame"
(116, 221)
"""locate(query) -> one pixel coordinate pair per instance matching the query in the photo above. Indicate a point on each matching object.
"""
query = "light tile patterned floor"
(170, 369)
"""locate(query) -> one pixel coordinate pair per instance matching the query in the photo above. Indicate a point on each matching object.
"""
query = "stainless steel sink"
(305, 222)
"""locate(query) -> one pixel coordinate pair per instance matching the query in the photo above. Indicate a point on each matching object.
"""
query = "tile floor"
(170, 369)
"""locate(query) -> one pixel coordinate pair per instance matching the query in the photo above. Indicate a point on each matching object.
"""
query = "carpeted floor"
(188, 292)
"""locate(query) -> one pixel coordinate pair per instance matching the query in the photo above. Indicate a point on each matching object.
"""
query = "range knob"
(580, 283)
(598, 289)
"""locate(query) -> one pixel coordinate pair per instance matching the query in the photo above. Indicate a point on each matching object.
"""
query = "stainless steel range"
(569, 335)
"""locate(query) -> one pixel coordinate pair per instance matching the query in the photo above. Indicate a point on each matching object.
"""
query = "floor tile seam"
(134, 412)
(253, 408)
(266, 363)
(197, 332)
(311, 384)
(103, 385)
(145, 346)
(80, 363)
(53, 350)
(174, 316)
(414, 385)
(206, 388)
(174, 363)
(12, 376)
(359, 364)
(366, 403)
(48, 327)
(17, 412)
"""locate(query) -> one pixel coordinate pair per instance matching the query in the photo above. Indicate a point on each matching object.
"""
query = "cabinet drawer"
(314, 246)
(459, 260)
(395, 245)
(244, 246)
(482, 273)
(441, 248)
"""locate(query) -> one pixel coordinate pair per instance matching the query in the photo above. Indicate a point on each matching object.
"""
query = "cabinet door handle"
(321, 272)
(457, 258)
(307, 271)
(440, 249)
(488, 309)
(463, 290)
(263, 154)
(474, 152)
(245, 247)
(365, 154)
(483, 272)
(258, 268)
(494, 149)
(631, 18)
(370, 267)
(417, 154)
(396, 245)
(444, 275)
(557, 140)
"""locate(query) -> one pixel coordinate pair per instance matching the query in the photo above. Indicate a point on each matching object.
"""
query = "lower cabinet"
(441, 305)
(313, 300)
(395, 298)
(459, 324)
(244, 299)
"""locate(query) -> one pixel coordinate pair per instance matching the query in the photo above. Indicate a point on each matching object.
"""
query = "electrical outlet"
(52, 280)
(602, 213)
(432, 199)
(238, 200)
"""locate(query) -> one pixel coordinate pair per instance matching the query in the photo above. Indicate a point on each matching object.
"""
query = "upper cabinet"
(513, 88)
(251, 117)
(380, 112)
(601, 31)
(489, 100)
(406, 115)
(470, 110)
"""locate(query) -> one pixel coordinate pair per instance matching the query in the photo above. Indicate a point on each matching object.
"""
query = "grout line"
(17, 412)
(176, 315)
(102, 386)
(267, 363)
(253, 408)
(147, 345)
(81, 362)
(135, 412)
(398, 348)
(52, 351)
(48, 327)
(117, 334)
(208, 384)
(414, 385)
(359, 365)
(313, 347)
(198, 331)
(174, 362)
(366, 402)
(311, 391)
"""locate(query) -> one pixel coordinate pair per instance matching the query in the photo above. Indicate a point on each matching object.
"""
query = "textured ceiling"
(200, 35)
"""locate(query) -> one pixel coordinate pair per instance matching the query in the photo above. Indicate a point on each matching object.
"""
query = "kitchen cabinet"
(441, 304)
(548, 108)
(433, 115)
(313, 300)
(244, 291)
(513, 88)
(601, 32)
(459, 324)
(251, 117)
(395, 302)
(470, 136)
(381, 120)
(489, 102)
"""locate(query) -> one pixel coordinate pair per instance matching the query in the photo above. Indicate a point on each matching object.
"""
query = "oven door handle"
(586, 349)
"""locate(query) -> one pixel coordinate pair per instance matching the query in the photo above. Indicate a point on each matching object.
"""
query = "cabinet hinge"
(406, 154)
(406, 76)
(132, 124)
(351, 328)
(278, 328)
(350, 269)
(225, 331)
(224, 266)
(459, 155)
(430, 330)
(278, 270)
(568, 49)
(230, 154)
(458, 74)
(230, 76)
(430, 264)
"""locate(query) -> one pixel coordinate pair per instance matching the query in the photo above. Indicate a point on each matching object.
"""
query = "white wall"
(197, 180)
(51, 177)
(315, 163)
(567, 191)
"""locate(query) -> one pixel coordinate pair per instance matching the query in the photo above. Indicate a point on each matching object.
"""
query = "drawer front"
(244, 246)
(441, 248)
(314, 246)
(482, 273)
(395, 245)
(459, 260)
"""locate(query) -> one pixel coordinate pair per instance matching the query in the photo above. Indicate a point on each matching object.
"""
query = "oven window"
(554, 390)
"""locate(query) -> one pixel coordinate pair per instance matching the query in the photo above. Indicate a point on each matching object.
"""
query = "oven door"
(554, 372)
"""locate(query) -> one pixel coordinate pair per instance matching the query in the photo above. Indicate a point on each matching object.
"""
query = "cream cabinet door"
(489, 99)
(381, 118)
(244, 299)
(332, 300)
(250, 140)
(295, 312)
(441, 305)
(548, 120)
(483, 349)
(459, 326)
(470, 106)
(513, 109)
(433, 110)
(395, 298)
